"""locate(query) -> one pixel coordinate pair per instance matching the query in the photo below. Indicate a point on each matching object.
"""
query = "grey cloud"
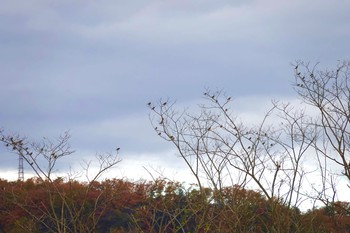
(91, 66)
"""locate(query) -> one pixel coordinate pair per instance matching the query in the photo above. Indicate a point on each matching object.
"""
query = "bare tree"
(221, 150)
(327, 92)
(62, 214)
(41, 156)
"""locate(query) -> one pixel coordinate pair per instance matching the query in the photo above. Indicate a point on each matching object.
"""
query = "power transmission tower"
(20, 168)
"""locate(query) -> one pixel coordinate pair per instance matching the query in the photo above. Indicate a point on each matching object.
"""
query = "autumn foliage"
(160, 206)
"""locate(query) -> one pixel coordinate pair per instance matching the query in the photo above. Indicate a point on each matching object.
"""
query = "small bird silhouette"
(149, 103)
(118, 149)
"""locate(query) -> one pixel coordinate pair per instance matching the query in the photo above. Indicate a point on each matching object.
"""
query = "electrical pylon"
(20, 168)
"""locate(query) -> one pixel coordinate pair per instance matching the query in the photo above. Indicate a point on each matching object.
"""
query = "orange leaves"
(118, 205)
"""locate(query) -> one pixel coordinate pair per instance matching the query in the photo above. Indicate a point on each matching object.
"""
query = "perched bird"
(117, 149)
(278, 165)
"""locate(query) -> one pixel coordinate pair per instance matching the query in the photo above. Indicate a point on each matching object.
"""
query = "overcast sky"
(91, 66)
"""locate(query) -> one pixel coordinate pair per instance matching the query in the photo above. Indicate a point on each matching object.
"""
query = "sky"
(91, 67)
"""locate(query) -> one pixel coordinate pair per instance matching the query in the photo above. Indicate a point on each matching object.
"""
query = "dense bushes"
(158, 206)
